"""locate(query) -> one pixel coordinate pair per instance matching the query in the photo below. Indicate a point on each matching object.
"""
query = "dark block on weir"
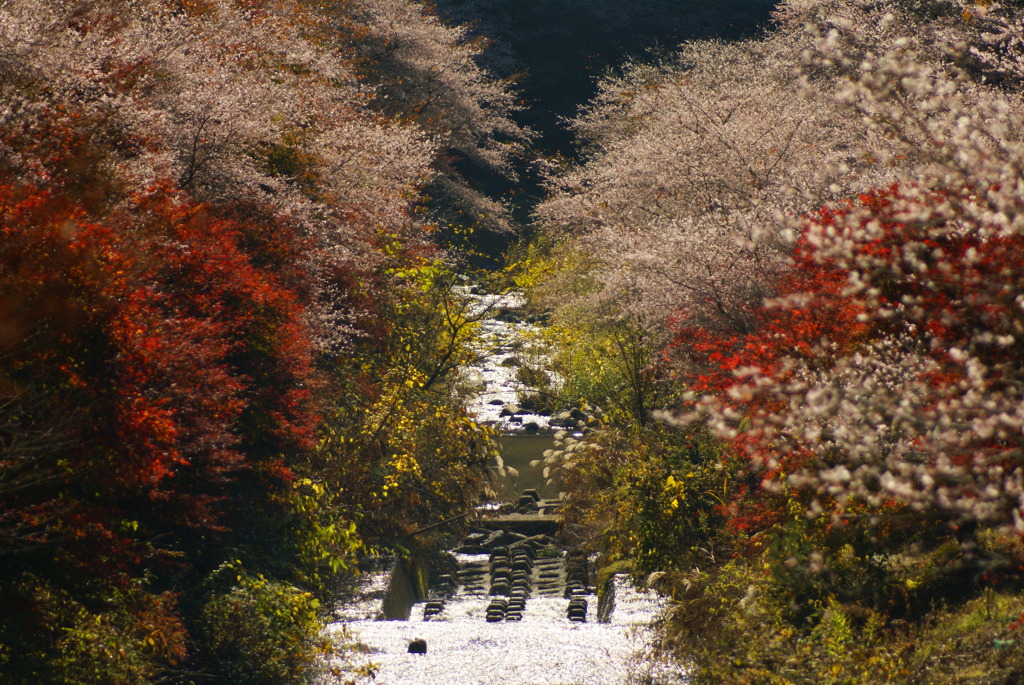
(526, 502)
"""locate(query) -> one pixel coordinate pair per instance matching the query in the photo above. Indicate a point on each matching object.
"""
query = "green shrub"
(730, 625)
(653, 496)
(263, 632)
(549, 552)
(818, 605)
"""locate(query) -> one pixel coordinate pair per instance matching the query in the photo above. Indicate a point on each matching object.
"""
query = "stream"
(517, 609)
(542, 648)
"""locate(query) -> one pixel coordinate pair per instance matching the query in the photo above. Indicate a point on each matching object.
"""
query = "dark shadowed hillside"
(561, 46)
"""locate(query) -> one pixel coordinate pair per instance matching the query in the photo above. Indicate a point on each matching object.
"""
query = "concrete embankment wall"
(408, 585)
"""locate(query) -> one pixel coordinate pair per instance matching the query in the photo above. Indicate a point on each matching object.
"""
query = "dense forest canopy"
(777, 247)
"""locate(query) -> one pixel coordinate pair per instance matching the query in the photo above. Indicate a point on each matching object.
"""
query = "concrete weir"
(511, 558)
(527, 524)
(517, 609)
(510, 568)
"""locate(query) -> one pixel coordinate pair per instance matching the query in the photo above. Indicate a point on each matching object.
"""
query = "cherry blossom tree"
(691, 165)
(427, 72)
(922, 407)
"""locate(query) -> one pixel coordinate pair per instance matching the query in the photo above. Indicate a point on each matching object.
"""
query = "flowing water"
(508, 341)
(540, 645)
(544, 648)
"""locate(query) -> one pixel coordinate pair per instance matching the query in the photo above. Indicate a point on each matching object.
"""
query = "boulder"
(495, 540)
(535, 404)
(508, 315)
(563, 419)
(418, 646)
